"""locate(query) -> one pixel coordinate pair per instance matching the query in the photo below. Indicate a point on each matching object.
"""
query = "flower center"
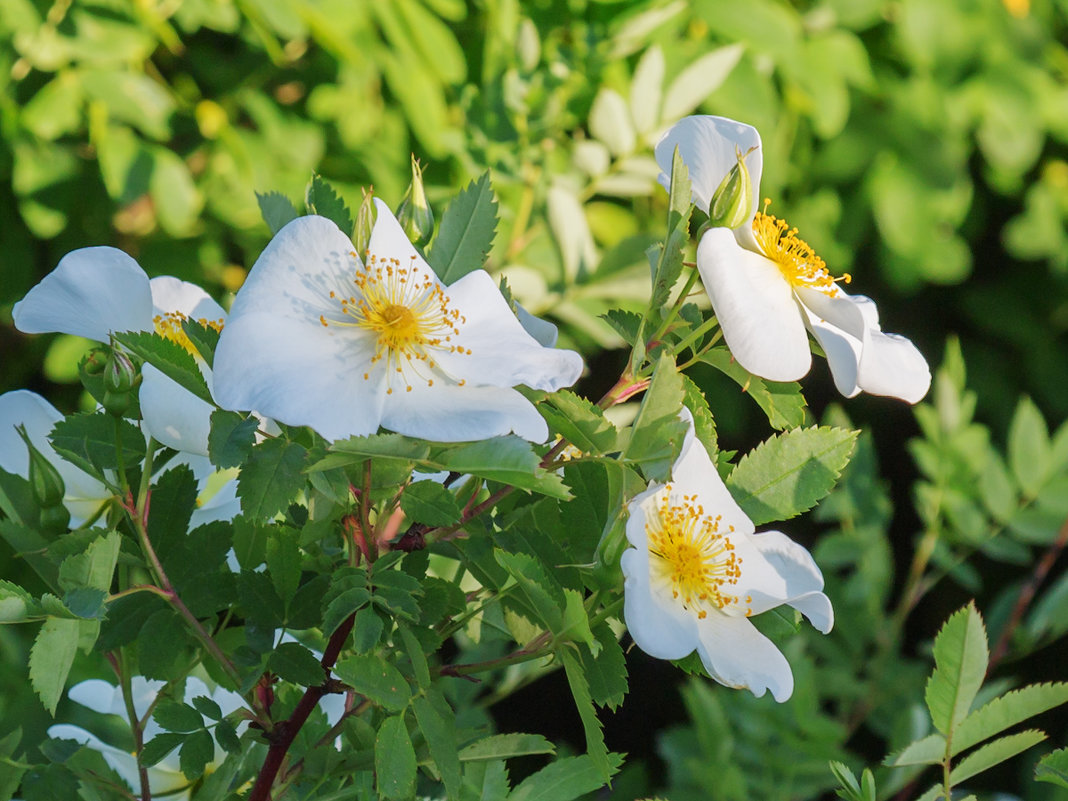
(691, 555)
(169, 326)
(797, 262)
(409, 314)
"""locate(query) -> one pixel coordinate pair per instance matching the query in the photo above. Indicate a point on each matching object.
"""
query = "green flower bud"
(414, 214)
(55, 519)
(47, 483)
(121, 378)
(733, 199)
(365, 222)
(95, 361)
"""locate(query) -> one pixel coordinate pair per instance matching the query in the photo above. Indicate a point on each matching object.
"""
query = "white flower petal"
(502, 353)
(735, 654)
(803, 581)
(92, 292)
(859, 354)
(665, 631)
(223, 505)
(755, 306)
(544, 332)
(448, 413)
(389, 241)
(694, 474)
(298, 374)
(172, 414)
(170, 294)
(709, 146)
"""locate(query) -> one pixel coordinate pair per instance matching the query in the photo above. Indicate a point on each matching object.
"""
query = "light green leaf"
(789, 473)
(565, 779)
(669, 263)
(175, 196)
(394, 759)
(610, 122)
(51, 657)
(169, 358)
(994, 753)
(94, 567)
(591, 725)
(16, 604)
(931, 750)
(428, 502)
(1007, 710)
(571, 231)
(699, 80)
(581, 423)
(961, 655)
(1029, 447)
(646, 90)
(277, 210)
(506, 746)
(1053, 768)
(322, 199)
(544, 595)
(376, 679)
(465, 237)
(782, 402)
(354, 450)
(438, 724)
(509, 460)
(658, 432)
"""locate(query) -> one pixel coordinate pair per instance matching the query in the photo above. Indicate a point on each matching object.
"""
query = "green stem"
(126, 683)
(673, 312)
(535, 649)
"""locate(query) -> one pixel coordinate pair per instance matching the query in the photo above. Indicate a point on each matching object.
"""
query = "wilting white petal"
(735, 654)
(755, 306)
(709, 148)
(92, 292)
(859, 354)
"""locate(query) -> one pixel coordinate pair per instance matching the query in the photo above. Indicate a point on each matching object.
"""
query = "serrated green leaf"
(606, 670)
(169, 358)
(207, 707)
(1029, 447)
(465, 237)
(627, 324)
(437, 722)
(508, 459)
(226, 737)
(658, 431)
(88, 441)
(177, 717)
(394, 759)
(203, 335)
(790, 472)
(416, 655)
(428, 502)
(581, 422)
(543, 595)
(347, 593)
(669, 264)
(591, 725)
(271, 478)
(367, 628)
(231, 438)
(994, 753)
(782, 402)
(376, 679)
(94, 567)
(294, 662)
(277, 210)
(1053, 768)
(197, 751)
(565, 779)
(322, 199)
(393, 447)
(86, 602)
(16, 604)
(930, 750)
(961, 656)
(258, 599)
(1007, 710)
(704, 423)
(51, 658)
(159, 746)
(506, 746)
(284, 561)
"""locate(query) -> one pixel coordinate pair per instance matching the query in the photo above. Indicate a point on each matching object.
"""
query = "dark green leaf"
(161, 645)
(207, 707)
(203, 335)
(580, 690)
(544, 596)
(271, 479)
(1053, 768)
(429, 503)
(197, 751)
(51, 658)
(169, 358)
(509, 460)
(438, 723)
(159, 746)
(258, 599)
(415, 652)
(367, 629)
(348, 592)
(86, 602)
(293, 662)
(322, 199)
(88, 441)
(376, 679)
(173, 716)
(790, 472)
(625, 323)
(394, 759)
(284, 561)
(231, 439)
(606, 672)
(174, 498)
(393, 447)
(465, 237)
(669, 264)
(226, 737)
(277, 210)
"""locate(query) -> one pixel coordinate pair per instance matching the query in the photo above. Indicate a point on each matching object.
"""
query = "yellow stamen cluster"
(169, 326)
(797, 261)
(407, 311)
(690, 553)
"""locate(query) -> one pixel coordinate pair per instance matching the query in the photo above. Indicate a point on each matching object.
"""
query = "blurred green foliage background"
(918, 144)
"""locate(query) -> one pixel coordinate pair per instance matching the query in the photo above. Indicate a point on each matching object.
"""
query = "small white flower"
(165, 777)
(767, 285)
(697, 572)
(319, 337)
(96, 291)
(83, 495)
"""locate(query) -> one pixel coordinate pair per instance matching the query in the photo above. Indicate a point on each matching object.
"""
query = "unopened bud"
(733, 199)
(47, 483)
(365, 221)
(121, 379)
(95, 361)
(414, 214)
